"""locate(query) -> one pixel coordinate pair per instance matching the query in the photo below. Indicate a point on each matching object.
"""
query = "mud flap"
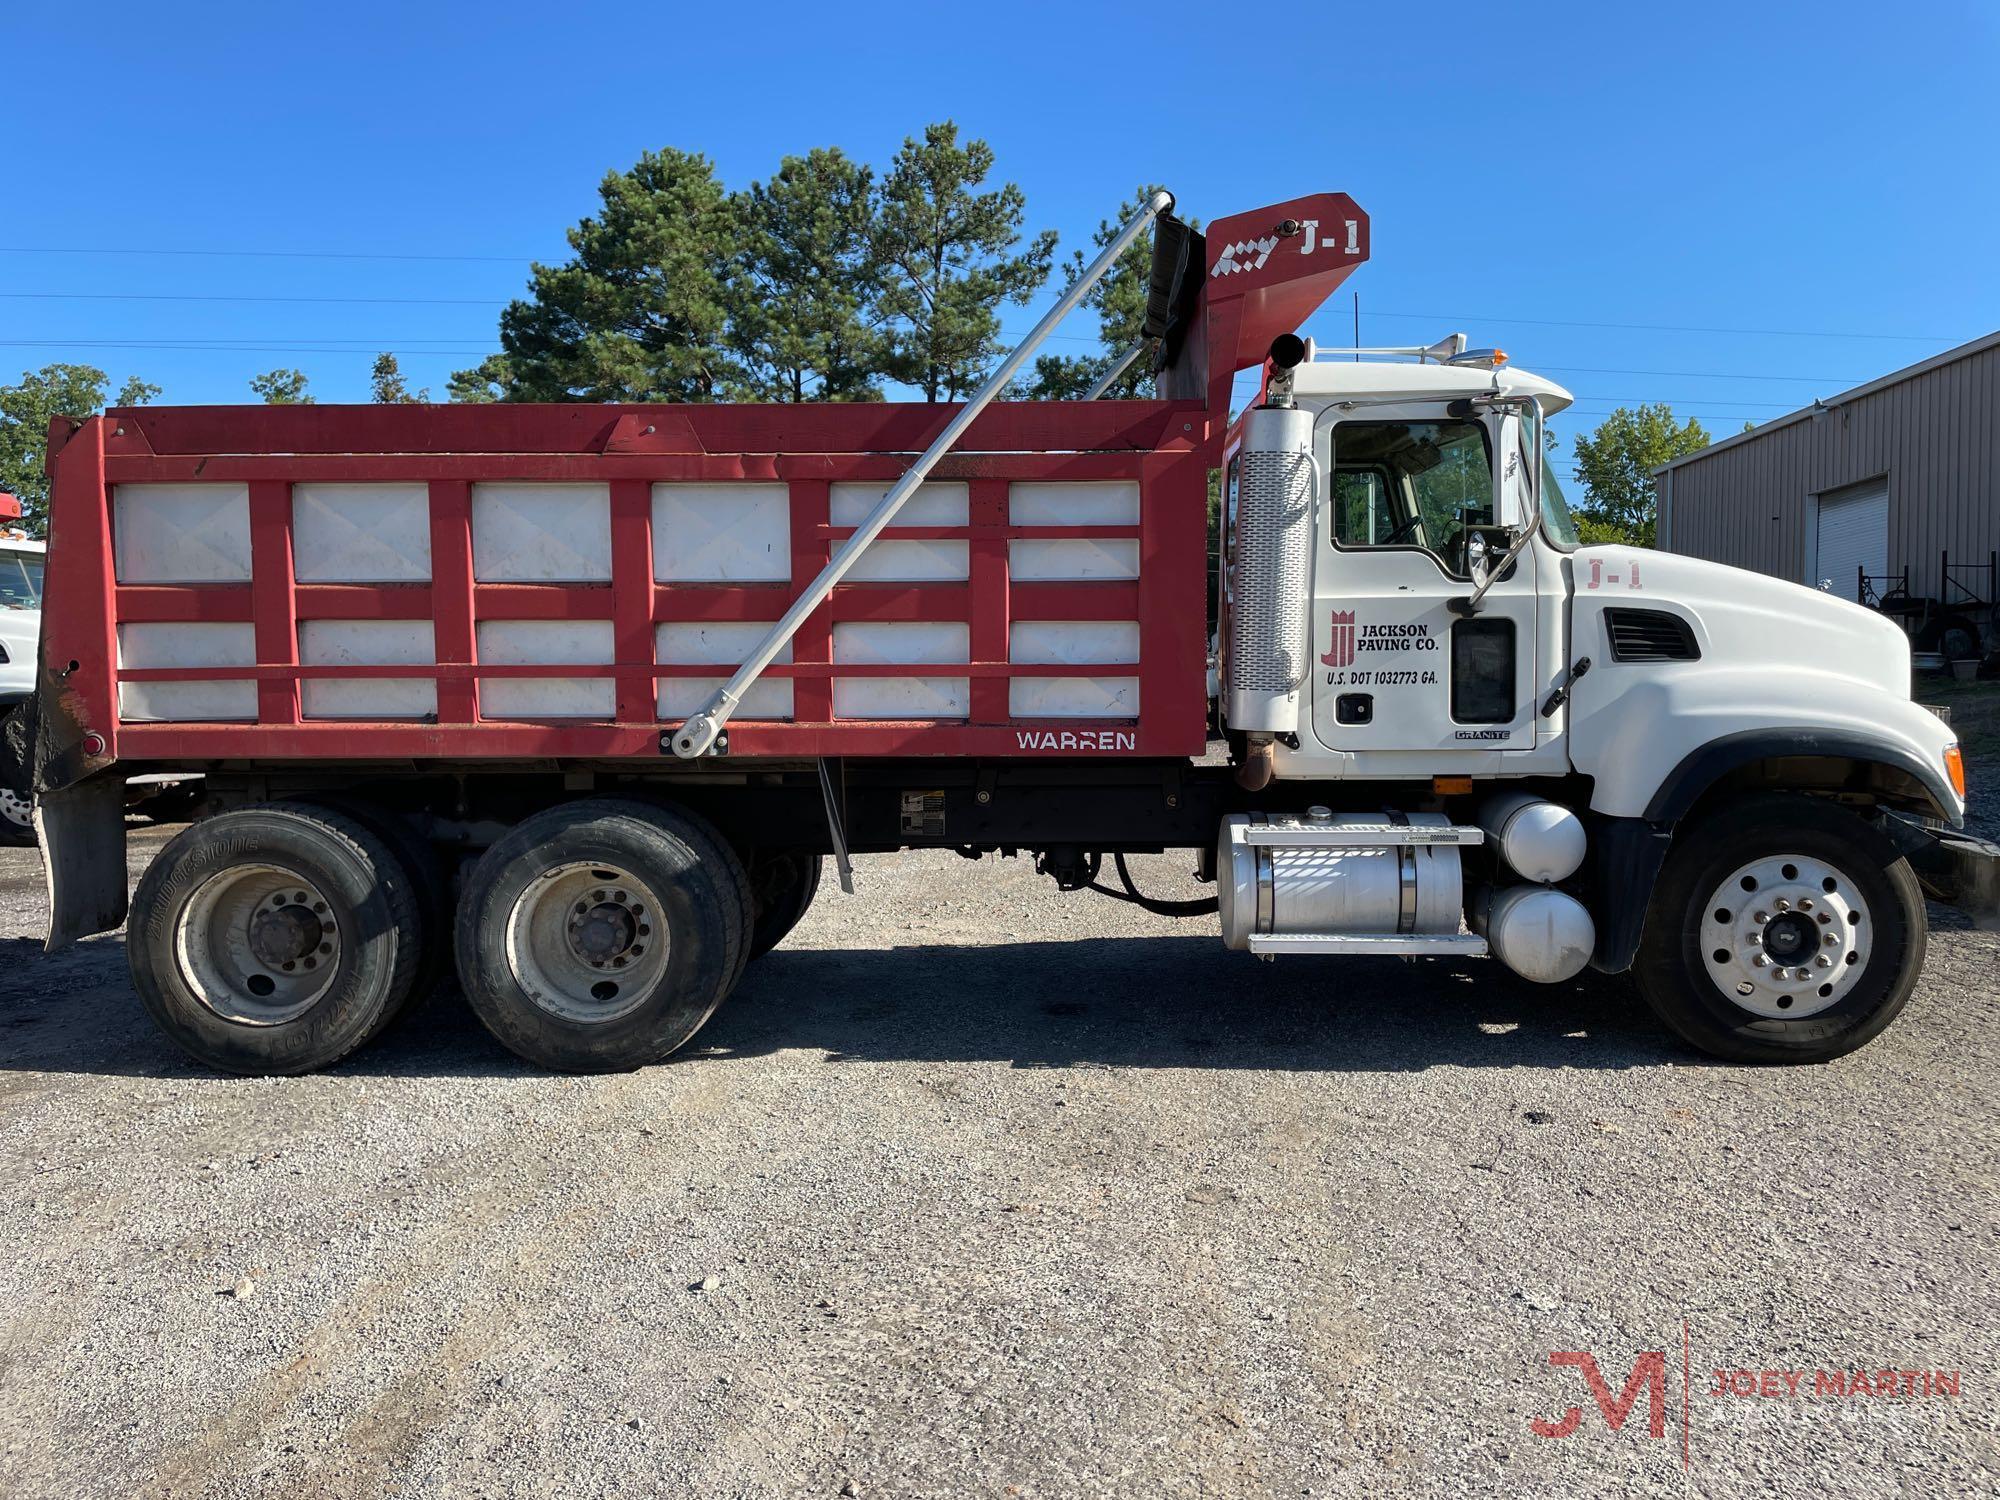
(82, 829)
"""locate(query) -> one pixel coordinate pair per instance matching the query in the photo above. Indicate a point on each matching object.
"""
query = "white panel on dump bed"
(558, 642)
(1074, 643)
(541, 533)
(192, 644)
(904, 560)
(722, 643)
(1072, 560)
(722, 533)
(914, 641)
(181, 533)
(1110, 503)
(367, 643)
(361, 533)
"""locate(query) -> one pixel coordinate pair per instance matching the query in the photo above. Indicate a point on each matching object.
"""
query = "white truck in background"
(21, 560)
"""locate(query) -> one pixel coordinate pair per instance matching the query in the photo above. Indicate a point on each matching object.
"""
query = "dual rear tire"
(600, 936)
(592, 937)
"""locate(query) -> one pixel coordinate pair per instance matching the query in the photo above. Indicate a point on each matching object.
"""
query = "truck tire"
(273, 939)
(600, 936)
(430, 888)
(782, 887)
(17, 803)
(1783, 929)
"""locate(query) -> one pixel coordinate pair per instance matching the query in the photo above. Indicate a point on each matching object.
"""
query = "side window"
(1411, 484)
(1361, 514)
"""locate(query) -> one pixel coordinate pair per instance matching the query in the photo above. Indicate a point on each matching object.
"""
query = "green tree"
(281, 388)
(489, 380)
(640, 310)
(1120, 303)
(1616, 465)
(386, 383)
(26, 409)
(137, 392)
(802, 306)
(950, 261)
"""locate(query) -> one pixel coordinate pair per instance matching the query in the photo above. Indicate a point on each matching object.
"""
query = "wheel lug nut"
(1825, 920)
(1824, 962)
(1782, 904)
(1833, 940)
(1760, 917)
(1806, 904)
(1760, 961)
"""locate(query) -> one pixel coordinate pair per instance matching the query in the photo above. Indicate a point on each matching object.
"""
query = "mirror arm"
(1470, 604)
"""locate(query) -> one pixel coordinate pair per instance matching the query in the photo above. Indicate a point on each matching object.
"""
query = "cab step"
(1358, 835)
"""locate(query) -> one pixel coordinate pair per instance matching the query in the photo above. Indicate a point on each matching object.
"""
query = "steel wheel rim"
(1786, 936)
(258, 945)
(586, 942)
(16, 809)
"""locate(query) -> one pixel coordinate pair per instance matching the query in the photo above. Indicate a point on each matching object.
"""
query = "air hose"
(1200, 907)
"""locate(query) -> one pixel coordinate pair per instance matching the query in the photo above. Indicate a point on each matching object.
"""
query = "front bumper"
(1960, 870)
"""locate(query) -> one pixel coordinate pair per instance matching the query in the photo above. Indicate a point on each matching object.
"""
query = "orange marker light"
(1451, 786)
(1954, 767)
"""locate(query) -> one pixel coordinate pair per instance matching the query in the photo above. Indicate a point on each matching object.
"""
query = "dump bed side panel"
(526, 582)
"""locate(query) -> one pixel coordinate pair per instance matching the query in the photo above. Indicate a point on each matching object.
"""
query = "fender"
(1707, 764)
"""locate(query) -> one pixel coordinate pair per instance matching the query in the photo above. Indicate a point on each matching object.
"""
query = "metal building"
(1888, 493)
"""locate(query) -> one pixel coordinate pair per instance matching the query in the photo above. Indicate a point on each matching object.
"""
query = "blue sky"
(1812, 169)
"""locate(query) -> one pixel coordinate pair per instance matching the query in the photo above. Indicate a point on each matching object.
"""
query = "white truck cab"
(1720, 766)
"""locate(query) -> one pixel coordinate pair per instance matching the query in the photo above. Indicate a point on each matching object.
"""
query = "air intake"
(1650, 635)
(1271, 577)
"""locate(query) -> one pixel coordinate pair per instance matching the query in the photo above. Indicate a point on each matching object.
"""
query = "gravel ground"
(977, 1189)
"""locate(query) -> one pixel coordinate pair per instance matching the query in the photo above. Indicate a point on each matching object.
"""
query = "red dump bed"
(536, 582)
(474, 582)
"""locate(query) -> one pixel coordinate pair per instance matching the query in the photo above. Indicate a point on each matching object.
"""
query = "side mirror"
(1486, 547)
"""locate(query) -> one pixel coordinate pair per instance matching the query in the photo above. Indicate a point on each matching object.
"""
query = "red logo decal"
(1340, 652)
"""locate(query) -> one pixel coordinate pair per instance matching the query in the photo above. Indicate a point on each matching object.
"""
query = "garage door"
(1853, 537)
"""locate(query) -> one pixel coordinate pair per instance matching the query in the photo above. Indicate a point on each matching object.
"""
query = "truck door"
(1394, 670)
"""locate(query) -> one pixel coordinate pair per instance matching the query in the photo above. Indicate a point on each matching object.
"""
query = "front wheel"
(1783, 929)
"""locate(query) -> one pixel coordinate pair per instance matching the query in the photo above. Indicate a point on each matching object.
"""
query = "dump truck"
(582, 699)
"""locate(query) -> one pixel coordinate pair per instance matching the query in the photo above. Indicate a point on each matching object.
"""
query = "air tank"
(1539, 932)
(1537, 839)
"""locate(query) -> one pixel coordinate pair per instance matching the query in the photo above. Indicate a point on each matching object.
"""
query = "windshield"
(21, 580)
(1557, 523)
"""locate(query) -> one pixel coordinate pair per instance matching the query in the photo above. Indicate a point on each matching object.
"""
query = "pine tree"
(950, 261)
(803, 304)
(639, 312)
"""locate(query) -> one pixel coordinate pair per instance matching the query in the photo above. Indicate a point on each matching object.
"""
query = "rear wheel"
(1783, 929)
(424, 873)
(600, 936)
(782, 887)
(273, 939)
